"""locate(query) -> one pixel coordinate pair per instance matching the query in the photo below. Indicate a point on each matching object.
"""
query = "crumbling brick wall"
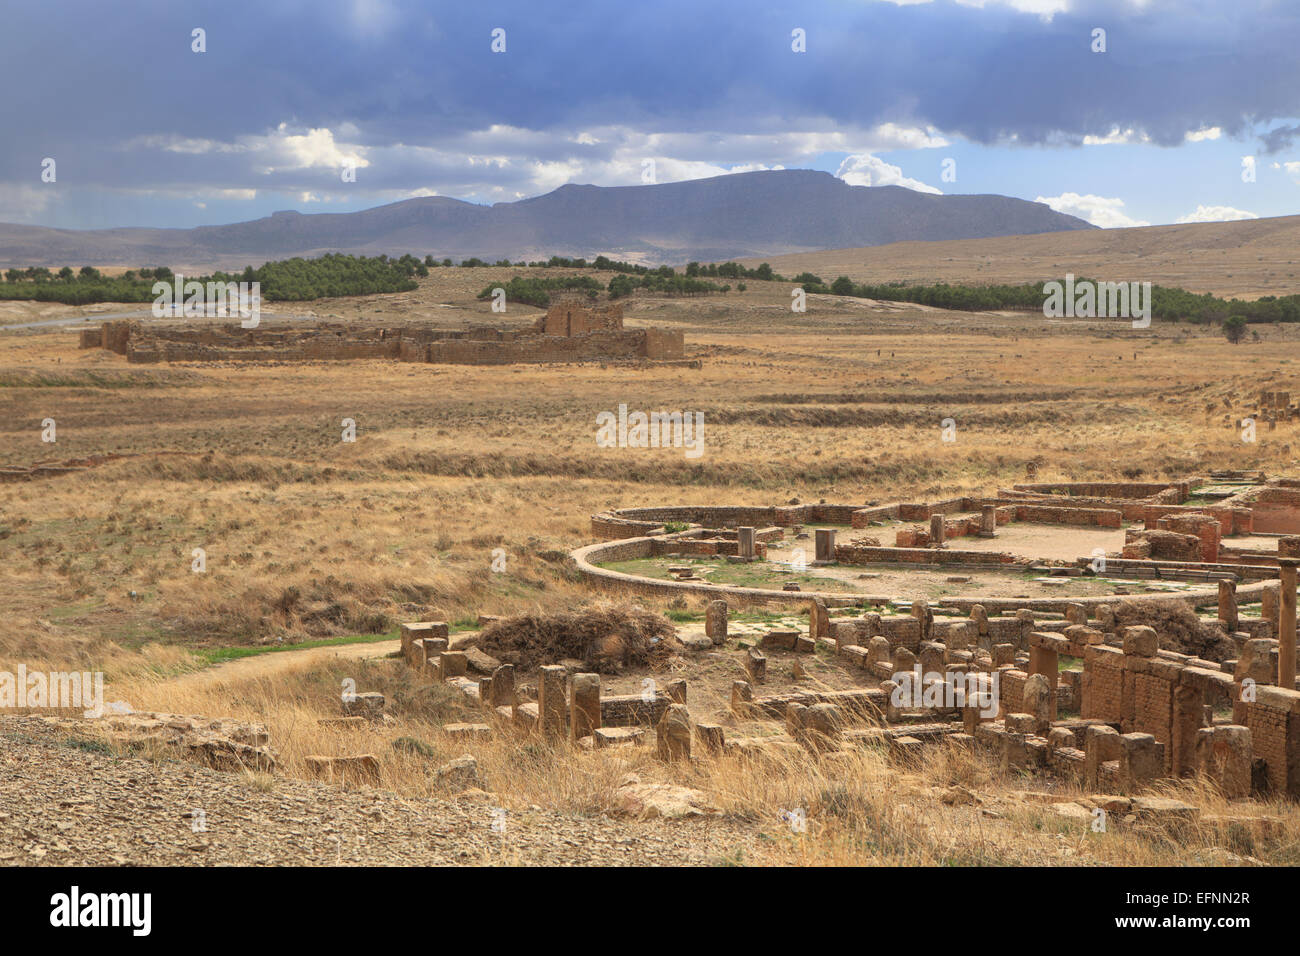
(568, 317)
(1274, 722)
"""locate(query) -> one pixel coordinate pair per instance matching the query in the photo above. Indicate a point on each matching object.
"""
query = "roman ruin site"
(571, 330)
(1113, 692)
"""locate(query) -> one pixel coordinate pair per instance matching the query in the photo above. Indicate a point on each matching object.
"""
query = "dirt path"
(277, 662)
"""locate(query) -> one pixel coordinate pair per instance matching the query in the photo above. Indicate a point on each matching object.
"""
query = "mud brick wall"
(92, 338)
(1008, 630)
(605, 527)
(867, 554)
(1206, 528)
(1103, 683)
(627, 550)
(569, 317)
(862, 517)
(921, 511)
(663, 344)
(831, 514)
(413, 351)
(629, 710)
(1094, 517)
(1277, 511)
(1275, 736)
(902, 632)
(115, 335)
(1152, 514)
(723, 517)
(1151, 707)
(1106, 489)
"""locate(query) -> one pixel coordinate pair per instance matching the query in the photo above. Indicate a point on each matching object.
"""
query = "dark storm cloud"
(82, 79)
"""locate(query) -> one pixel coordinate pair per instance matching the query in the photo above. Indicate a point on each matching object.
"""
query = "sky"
(1123, 113)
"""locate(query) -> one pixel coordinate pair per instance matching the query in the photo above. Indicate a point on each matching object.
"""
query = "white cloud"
(1132, 137)
(503, 162)
(1216, 214)
(864, 169)
(1117, 136)
(23, 202)
(1099, 210)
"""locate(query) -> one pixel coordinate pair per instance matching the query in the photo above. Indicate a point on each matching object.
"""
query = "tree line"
(297, 279)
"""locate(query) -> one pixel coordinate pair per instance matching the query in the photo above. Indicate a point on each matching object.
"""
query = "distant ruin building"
(569, 317)
(572, 330)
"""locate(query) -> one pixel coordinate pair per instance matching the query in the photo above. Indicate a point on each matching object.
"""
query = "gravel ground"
(64, 805)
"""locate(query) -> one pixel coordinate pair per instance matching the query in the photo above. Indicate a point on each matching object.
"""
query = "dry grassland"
(309, 537)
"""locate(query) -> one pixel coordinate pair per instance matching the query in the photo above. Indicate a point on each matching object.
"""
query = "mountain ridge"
(739, 215)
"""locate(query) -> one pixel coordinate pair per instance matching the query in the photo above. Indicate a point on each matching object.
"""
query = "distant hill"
(1245, 259)
(726, 217)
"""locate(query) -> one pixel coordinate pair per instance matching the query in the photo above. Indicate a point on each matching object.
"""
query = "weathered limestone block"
(359, 767)
(1269, 601)
(931, 658)
(420, 630)
(674, 734)
(584, 708)
(961, 636)
(465, 731)
(1224, 754)
(756, 666)
(1101, 744)
(617, 736)
(715, 621)
(1076, 614)
(988, 521)
(1061, 738)
(433, 648)
(1228, 604)
(892, 713)
(503, 688)
(877, 650)
(745, 543)
(1257, 661)
(369, 706)
(921, 611)
(1082, 634)
(1140, 640)
(550, 700)
(453, 664)
(824, 543)
(819, 620)
(1039, 700)
(675, 691)
(824, 724)
(1141, 760)
(981, 618)
(742, 698)
(779, 640)
(711, 738)
(936, 531)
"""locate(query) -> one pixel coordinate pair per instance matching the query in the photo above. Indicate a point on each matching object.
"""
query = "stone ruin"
(570, 331)
(1175, 540)
(1131, 716)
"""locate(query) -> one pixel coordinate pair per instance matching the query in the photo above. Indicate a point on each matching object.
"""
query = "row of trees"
(535, 290)
(1167, 302)
(291, 279)
(625, 285)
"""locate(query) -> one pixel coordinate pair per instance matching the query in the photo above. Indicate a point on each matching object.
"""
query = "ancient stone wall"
(600, 336)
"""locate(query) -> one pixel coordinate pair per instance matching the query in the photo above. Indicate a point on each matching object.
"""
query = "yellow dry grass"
(306, 536)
